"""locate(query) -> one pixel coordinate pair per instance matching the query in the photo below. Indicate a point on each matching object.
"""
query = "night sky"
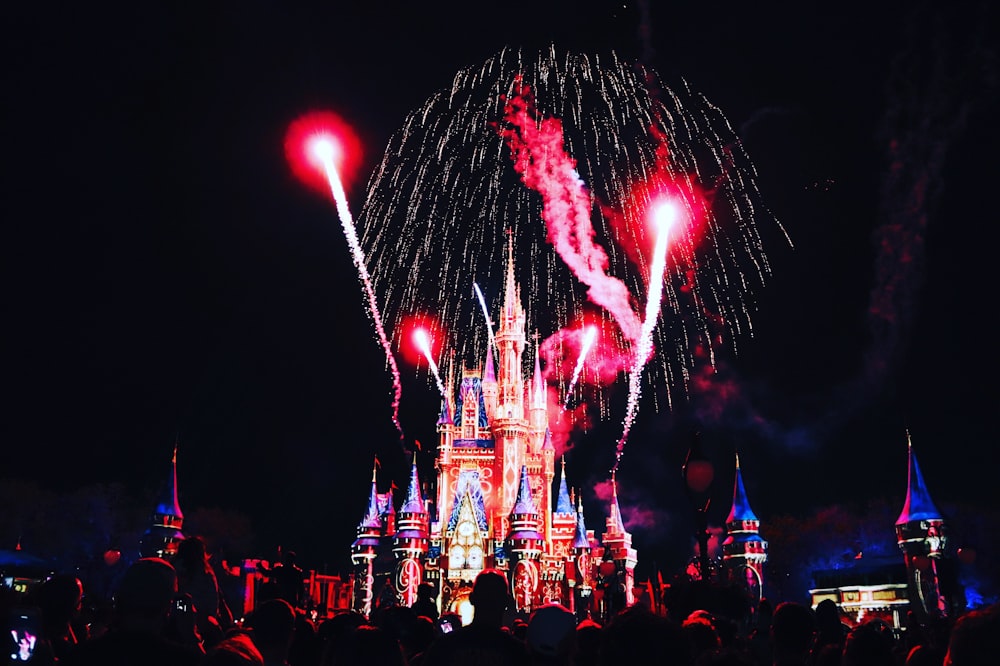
(167, 278)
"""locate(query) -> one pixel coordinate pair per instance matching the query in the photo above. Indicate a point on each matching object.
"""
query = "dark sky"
(166, 277)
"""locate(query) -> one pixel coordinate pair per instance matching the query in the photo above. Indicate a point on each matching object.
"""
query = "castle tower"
(921, 533)
(510, 428)
(164, 535)
(364, 550)
(618, 547)
(525, 546)
(410, 541)
(564, 520)
(744, 552)
(581, 575)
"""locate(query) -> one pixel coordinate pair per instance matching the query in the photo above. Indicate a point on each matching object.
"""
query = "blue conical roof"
(524, 504)
(919, 505)
(414, 500)
(740, 510)
(563, 503)
(373, 518)
(580, 539)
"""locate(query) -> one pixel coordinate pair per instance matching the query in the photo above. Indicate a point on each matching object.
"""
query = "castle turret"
(411, 540)
(364, 550)
(164, 535)
(524, 545)
(581, 573)
(563, 520)
(618, 547)
(921, 533)
(744, 552)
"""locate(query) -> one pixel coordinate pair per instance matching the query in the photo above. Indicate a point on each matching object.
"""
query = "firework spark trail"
(486, 313)
(589, 335)
(444, 194)
(541, 160)
(424, 345)
(358, 256)
(665, 216)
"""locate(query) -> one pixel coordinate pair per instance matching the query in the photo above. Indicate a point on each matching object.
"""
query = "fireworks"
(458, 175)
(313, 145)
(589, 335)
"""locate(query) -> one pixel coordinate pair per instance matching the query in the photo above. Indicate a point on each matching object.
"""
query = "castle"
(496, 503)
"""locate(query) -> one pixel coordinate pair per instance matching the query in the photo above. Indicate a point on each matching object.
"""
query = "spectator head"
(974, 638)
(792, 626)
(272, 625)
(59, 598)
(551, 632)
(489, 589)
(147, 588)
(192, 553)
(869, 644)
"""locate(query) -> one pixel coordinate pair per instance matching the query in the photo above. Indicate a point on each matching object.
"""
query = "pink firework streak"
(589, 335)
(423, 342)
(540, 159)
(321, 146)
(664, 216)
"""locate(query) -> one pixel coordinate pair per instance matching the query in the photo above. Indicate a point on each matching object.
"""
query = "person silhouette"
(287, 578)
(59, 599)
(484, 640)
(425, 604)
(272, 628)
(195, 576)
(146, 627)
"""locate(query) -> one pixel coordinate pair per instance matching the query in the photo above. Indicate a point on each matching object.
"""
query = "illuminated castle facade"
(495, 503)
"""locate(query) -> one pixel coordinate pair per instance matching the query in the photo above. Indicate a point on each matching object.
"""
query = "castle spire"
(918, 505)
(740, 510)
(580, 539)
(525, 503)
(373, 517)
(489, 373)
(510, 286)
(414, 500)
(563, 502)
(537, 382)
(615, 520)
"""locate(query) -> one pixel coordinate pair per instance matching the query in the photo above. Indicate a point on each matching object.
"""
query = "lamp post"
(698, 473)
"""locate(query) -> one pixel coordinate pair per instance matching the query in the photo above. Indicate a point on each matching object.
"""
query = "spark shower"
(473, 165)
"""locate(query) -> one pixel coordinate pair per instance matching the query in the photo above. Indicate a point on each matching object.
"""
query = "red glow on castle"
(316, 135)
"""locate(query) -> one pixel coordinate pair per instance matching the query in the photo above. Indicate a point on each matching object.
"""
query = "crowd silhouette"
(173, 612)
